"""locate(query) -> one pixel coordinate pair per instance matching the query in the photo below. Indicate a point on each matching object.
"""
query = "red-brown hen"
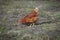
(31, 18)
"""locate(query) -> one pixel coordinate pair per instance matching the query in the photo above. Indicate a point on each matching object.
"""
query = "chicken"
(31, 18)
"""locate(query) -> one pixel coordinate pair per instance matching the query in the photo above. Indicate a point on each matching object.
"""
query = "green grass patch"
(48, 26)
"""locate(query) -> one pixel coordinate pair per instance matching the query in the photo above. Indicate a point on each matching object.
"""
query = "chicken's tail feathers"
(21, 21)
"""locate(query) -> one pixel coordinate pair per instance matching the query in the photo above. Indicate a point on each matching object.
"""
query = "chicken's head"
(36, 9)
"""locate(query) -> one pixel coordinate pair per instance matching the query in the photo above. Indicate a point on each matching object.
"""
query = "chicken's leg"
(33, 24)
(30, 25)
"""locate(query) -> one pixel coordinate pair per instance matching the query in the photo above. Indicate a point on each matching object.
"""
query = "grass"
(21, 7)
(49, 26)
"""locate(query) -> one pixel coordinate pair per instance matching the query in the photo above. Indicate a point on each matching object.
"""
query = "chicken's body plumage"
(30, 18)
